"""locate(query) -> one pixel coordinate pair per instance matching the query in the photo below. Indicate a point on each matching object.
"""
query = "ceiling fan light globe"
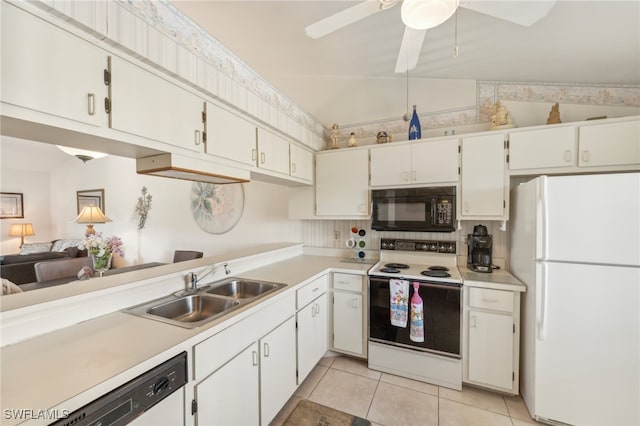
(426, 14)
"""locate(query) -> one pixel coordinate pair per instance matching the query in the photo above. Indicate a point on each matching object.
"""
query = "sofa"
(19, 268)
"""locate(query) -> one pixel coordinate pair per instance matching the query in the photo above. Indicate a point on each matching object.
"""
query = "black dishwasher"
(125, 403)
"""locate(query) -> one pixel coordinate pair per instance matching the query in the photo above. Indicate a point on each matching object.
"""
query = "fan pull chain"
(455, 42)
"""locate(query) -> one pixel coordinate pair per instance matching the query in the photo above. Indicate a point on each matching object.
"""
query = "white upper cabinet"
(425, 162)
(484, 183)
(273, 152)
(301, 163)
(599, 146)
(147, 105)
(342, 183)
(49, 70)
(230, 136)
(610, 144)
(548, 147)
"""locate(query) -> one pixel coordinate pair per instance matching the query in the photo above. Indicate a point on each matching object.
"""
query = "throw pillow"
(63, 243)
(30, 248)
(9, 288)
(73, 251)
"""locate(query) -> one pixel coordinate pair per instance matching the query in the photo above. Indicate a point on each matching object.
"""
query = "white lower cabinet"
(253, 386)
(246, 373)
(491, 338)
(230, 396)
(277, 369)
(349, 315)
(312, 325)
(312, 335)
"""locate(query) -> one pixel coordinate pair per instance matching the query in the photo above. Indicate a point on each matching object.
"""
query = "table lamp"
(21, 230)
(91, 214)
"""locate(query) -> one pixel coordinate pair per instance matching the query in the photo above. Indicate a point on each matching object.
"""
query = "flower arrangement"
(99, 246)
(101, 250)
(143, 207)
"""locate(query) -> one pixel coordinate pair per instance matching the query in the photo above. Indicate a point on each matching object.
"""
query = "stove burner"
(436, 273)
(438, 268)
(397, 265)
(390, 270)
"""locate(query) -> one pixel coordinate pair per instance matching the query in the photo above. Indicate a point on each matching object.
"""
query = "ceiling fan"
(420, 15)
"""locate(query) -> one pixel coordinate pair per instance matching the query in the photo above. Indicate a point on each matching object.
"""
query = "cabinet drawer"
(312, 290)
(491, 299)
(348, 282)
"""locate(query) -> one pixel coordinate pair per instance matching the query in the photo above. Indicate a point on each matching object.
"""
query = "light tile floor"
(347, 384)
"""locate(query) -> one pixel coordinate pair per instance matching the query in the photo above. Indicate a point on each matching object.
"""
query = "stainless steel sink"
(244, 289)
(192, 308)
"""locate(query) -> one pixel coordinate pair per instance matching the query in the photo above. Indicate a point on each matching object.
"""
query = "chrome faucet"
(227, 271)
(194, 279)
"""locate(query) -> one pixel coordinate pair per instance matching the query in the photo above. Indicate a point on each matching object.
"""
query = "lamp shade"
(425, 14)
(90, 215)
(21, 230)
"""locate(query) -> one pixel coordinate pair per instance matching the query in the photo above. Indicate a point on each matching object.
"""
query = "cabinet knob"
(198, 138)
(567, 156)
(255, 358)
(585, 156)
(266, 349)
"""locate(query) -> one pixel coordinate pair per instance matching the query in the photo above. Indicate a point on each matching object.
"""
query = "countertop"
(68, 368)
(499, 279)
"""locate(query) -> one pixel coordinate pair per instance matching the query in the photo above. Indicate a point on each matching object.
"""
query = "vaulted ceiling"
(584, 42)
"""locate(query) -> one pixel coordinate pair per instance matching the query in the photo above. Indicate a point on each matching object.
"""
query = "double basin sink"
(191, 309)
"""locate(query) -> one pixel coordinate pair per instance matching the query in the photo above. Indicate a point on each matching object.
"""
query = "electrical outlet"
(336, 235)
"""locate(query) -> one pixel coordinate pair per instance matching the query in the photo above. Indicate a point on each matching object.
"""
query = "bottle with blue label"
(415, 131)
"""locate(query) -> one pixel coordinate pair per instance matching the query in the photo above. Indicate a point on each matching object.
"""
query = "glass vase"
(101, 263)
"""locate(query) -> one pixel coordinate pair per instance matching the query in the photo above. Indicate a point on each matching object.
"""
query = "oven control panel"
(418, 245)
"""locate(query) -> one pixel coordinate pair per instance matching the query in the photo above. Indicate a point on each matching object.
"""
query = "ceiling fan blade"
(410, 48)
(524, 13)
(343, 18)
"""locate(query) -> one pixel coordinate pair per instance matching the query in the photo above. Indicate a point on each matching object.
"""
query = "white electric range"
(431, 266)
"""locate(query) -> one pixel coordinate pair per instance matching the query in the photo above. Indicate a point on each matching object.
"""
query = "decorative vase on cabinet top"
(415, 131)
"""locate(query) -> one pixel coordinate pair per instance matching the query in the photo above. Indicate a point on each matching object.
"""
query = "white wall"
(34, 187)
(169, 226)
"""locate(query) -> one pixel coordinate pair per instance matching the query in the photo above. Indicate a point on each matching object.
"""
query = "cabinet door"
(491, 348)
(147, 105)
(347, 322)
(342, 183)
(47, 69)
(301, 163)
(312, 335)
(273, 152)
(542, 148)
(230, 136)
(277, 369)
(482, 191)
(390, 165)
(434, 162)
(230, 396)
(611, 144)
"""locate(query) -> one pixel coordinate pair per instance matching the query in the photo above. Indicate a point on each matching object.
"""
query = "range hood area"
(180, 167)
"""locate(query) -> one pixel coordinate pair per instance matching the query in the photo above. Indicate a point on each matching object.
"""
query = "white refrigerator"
(575, 243)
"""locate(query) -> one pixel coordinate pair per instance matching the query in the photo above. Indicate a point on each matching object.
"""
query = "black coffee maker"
(479, 250)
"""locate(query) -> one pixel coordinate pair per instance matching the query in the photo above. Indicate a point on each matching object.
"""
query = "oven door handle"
(452, 286)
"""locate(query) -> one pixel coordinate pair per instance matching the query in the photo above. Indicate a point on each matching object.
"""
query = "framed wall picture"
(90, 197)
(11, 205)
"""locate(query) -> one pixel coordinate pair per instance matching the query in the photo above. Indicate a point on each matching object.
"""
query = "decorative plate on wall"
(217, 208)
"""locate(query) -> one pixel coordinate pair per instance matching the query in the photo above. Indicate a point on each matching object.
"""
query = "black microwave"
(430, 209)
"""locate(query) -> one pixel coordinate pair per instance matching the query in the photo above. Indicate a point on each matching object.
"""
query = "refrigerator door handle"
(542, 314)
(543, 215)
